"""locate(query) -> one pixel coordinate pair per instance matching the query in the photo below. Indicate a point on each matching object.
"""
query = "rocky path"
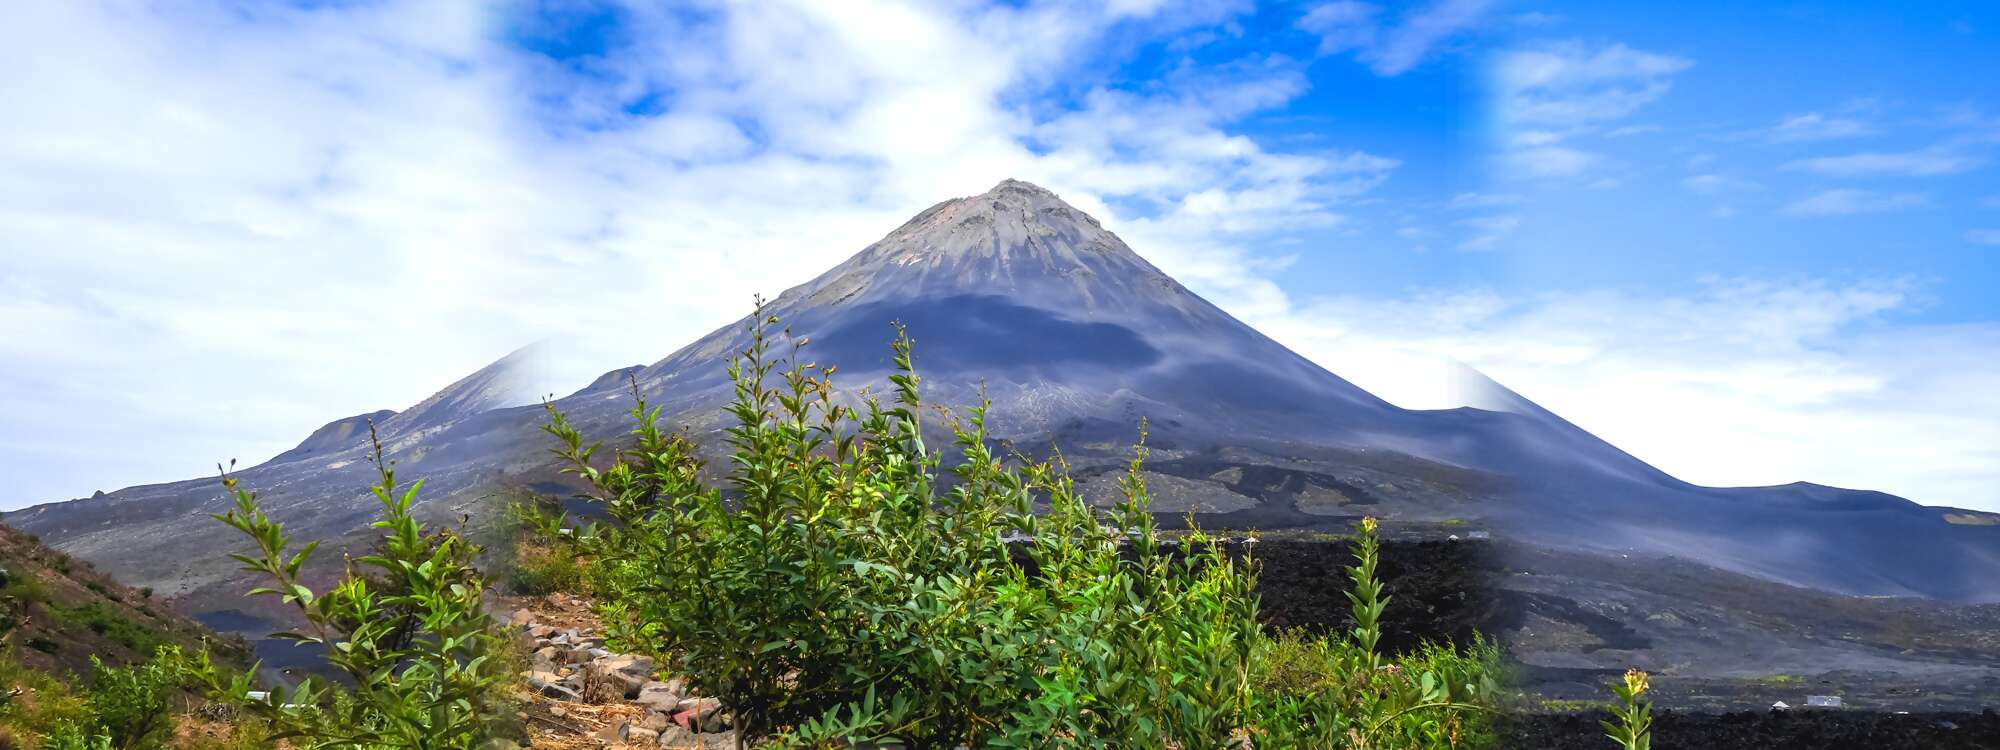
(587, 696)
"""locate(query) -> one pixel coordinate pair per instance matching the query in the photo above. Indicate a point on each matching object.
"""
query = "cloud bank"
(226, 224)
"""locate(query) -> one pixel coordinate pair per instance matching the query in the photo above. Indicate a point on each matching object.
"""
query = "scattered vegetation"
(838, 588)
(136, 707)
(423, 656)
(542, 558)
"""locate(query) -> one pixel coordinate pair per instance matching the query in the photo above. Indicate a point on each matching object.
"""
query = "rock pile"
(571, 665)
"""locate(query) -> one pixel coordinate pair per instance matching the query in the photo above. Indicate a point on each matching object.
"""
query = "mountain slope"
(58, 612)
(1074, 337)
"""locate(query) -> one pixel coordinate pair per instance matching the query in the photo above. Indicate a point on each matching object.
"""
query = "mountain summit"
(1061, 323)
(1015, 296)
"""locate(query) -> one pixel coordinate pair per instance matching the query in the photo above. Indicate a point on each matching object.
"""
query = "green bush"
(420, 649)
(102, 619)
(127, 708)
(134, 706)
(834, 590)
(36, 703)
(538, 558)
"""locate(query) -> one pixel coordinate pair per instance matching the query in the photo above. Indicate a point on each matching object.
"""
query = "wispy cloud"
(1716, 184)
(1488, 231)
(1482, 200)
(1390, 46)
(1983, 236)
(1741, 382)
(1927, 162)
(1568, 83)
(1814, 126)
(1548, 94)
(1845, 201)
(1551, 161)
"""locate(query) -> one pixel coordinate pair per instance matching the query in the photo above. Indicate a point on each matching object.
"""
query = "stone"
(541, 631)
(657, 721)
(679, 739)
(613, 732)
(659, 696)
(699, 713)
(680, 687)
(716, 721)
(719, 740)
(551, 685)
(632, 665)
(641, 735)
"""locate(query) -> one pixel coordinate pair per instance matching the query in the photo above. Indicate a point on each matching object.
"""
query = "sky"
(1749, 243)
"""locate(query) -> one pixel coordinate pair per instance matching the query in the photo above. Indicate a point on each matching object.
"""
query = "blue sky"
(1752, 243)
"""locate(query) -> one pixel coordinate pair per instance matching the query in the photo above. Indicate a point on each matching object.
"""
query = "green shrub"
(539, 558)
(833, 590)
(127, 708)
(99, 618)
(43, 704)
(1341, 692)
(421, 655)
(25, 587)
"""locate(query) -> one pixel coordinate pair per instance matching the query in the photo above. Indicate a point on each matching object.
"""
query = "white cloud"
(228, 225)
(1390, 48)
(1921, 163)
(1632, 130)
(1814, 126)
(1545, 95)
(1551, 161)
(1487, 231)
(1482, 200)
(1983, 236)
(1568, 84)
(1738, 383)
(1844, 201)
(1714, 184)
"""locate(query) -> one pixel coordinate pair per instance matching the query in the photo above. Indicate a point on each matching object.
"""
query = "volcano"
(1015, 296)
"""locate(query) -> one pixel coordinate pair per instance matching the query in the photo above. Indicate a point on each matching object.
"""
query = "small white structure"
(1823, 701)
(1781, 706)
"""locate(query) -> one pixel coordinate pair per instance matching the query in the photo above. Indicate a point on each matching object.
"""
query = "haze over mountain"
(1074, 337)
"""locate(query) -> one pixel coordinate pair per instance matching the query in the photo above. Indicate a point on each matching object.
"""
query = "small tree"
(422, 657)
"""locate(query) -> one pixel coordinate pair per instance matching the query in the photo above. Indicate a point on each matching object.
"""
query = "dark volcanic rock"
(1767, 730)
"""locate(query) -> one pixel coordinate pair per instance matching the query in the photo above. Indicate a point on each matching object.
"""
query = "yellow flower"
(1635, 682)
(1368, 525)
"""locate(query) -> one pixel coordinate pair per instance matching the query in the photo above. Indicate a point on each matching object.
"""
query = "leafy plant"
(836, 589)
(421, 656)
(134, 705)
(1631, 725)
(1341, 692)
